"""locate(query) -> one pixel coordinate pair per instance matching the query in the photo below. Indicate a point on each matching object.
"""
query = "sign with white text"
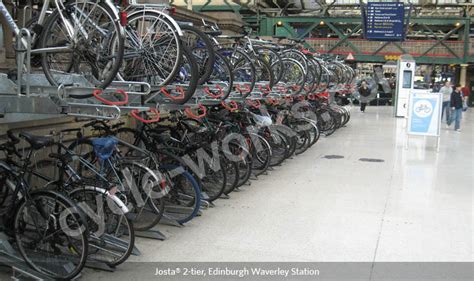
(384, 21)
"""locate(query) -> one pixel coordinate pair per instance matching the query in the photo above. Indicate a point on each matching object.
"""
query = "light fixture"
(321, 22)
(279, 23)
(458, 24)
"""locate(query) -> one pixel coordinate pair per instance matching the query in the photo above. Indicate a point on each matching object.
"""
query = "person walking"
(364, 92)
(446, 91)
(456, 105)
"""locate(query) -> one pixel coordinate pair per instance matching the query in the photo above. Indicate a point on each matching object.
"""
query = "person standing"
(456, 106)
(364, 92)
(446, 91)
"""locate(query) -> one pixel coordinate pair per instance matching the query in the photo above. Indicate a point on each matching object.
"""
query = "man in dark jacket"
(364, 92)
(456, 106)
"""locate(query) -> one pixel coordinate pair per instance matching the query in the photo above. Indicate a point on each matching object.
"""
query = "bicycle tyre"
(81, 235)
(94, 59)
(163, 67)
(207, 63)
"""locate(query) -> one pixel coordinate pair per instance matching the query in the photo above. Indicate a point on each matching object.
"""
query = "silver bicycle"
(71, 37)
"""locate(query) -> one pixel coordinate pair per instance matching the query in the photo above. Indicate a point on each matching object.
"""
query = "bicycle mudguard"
(113, 8)
(74, 208)
(167, 17)
(118, 203)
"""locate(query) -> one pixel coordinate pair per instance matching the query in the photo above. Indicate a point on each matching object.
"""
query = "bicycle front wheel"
(111, 233)
(52, 234)
(87, 40)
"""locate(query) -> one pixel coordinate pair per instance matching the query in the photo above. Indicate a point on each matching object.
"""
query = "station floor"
(416, 205)
(413, 205)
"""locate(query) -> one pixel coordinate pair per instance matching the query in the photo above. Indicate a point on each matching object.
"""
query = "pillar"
(463, 75)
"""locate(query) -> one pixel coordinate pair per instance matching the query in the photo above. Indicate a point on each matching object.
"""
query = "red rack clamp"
(301, 98)
(265, 90)
(231, 106)
(135, 114)
(191, 114)
(179, 89)
(288, 98)
(254, 103)
(212, 95)
(323, 94)
(273, 101)
(98, 92)
(307, 52)
(246, 90)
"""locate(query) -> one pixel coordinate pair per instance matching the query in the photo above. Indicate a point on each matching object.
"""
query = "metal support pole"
(463, 75)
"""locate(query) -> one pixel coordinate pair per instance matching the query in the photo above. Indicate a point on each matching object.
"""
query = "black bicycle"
(49, 229)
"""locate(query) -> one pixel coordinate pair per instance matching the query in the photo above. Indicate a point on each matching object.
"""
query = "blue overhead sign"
(384, 21)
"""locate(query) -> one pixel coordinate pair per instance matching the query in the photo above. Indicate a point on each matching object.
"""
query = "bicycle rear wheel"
(232, 174)
(144, 192)
(153, 50)
(183, 201)
(202, 48)
(186, 79)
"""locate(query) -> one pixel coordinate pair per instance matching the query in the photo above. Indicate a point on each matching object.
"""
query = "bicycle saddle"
(37, 142)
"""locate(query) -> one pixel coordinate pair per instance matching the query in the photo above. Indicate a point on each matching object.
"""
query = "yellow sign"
(392, 57)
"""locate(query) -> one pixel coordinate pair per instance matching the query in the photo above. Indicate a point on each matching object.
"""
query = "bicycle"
(49, 229)
(71, 40)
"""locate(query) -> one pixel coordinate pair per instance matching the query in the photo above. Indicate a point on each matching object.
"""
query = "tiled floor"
(416, 205)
